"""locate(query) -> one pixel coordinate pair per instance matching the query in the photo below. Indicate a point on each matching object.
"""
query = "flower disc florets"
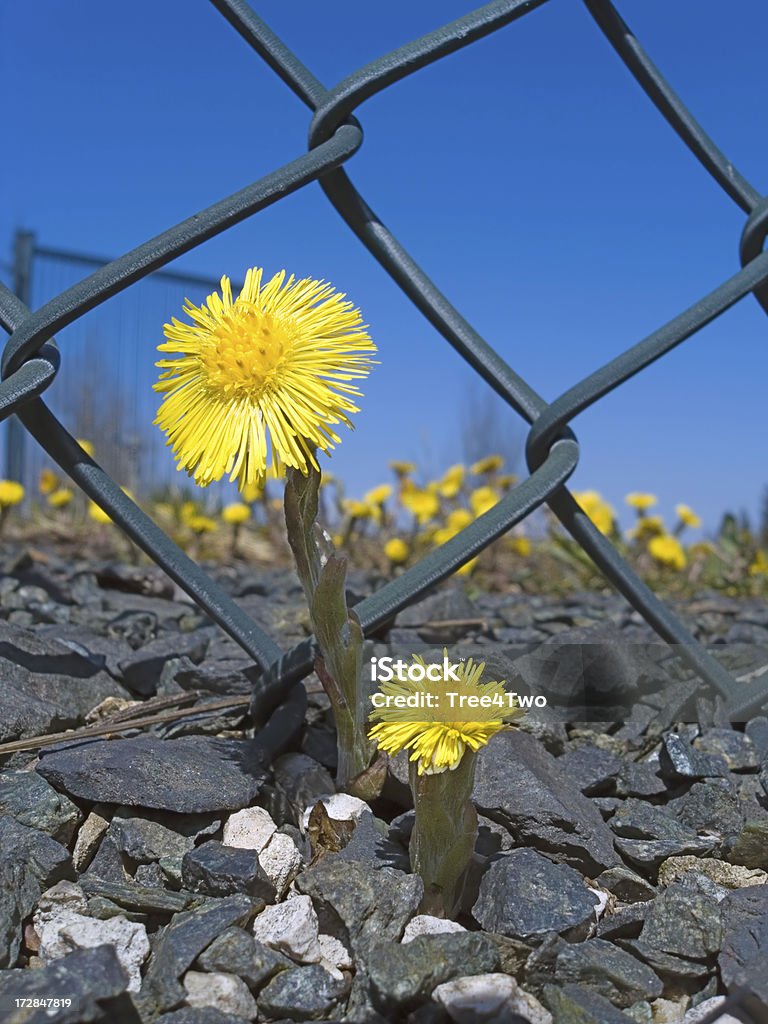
(443, 733)
(276, 362)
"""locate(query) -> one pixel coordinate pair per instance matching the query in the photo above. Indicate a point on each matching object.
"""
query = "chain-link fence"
(31, 359)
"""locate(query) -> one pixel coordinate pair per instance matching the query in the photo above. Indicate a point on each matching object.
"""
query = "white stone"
(291, 928)
(698, 1013)
(64, 896)
(340, 807)
(669, 1011)
(249, 829)
(425, 924)
(281, 862)
(225, 992)
(62, 929)
(485, 996)
(334, 951)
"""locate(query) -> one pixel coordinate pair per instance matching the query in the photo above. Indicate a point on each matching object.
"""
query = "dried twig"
(120, 723)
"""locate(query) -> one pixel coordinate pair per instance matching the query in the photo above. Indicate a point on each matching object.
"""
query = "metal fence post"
(15, 437)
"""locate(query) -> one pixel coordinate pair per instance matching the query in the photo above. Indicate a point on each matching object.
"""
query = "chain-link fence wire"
(31, 359)
(104, 386)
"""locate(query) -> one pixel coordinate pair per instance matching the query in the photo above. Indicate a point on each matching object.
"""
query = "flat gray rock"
(31, 862)
(302, 993)
(53, 674)
(743, 959)
(524, 895)
(608, 970)
(141, 668)
(217, 870)
(191, 774)
(520, 784)
(188, 934)
(403, 974)
(23, 714)
(91, 978)
(574, 1004)
(374, 904)
(685, 920)
(236, 951)
(31, 801)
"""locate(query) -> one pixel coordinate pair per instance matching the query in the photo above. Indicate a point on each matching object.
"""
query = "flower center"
(245, 352)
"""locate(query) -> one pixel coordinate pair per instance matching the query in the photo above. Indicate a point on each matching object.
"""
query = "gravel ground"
(171, 874)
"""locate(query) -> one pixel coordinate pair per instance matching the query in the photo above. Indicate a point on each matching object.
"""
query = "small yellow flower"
(60, 497)
(396, 550)
(422, 503)
(439, 740)
(201, 524)
(11, 493)
(506, 481)
(520, 545)
(458, 518)
(451, 482)
(641, 501)
(647, 526)
(402, 469)
(467, 569)
(687, 516)
(490, 464)
(87, 447)
(48, 481)
(598, 510)
(252, 492)
(483, 499)
(378, 495)
(273, 365)
(359, 509)
(188, 511)
(236, 513)
(668, 551)
(97, 513)
(759, 566)
(455, 522)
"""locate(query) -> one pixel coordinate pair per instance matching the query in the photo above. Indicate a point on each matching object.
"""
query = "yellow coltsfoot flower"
(422, 503)
(668, 551)
(687, 516)
(439, 740)
(378, 495)
(273, 365)
(48, 481)
(489, 464)
(598, 510)
(60, 497)
(396, 550)
(640, 501)
(442, 748)
(236, 513)
(482, 500)
(11, 493)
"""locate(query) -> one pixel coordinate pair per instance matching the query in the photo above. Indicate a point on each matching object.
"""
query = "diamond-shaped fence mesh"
(31, 359)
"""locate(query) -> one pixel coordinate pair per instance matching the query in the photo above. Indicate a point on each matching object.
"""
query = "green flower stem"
(337, 630)
(444, 834)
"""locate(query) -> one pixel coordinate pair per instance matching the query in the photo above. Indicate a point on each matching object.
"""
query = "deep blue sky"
(528, 174)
